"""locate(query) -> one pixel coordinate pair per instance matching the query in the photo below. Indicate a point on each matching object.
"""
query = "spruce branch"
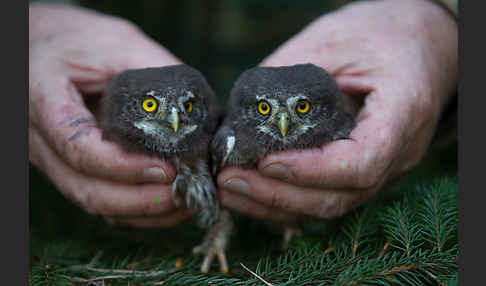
(410, 240)
(438, 213)
(400, 225)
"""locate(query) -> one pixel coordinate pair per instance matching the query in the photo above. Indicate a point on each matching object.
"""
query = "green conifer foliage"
(409, 239)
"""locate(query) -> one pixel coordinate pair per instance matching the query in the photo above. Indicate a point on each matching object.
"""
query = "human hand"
(73, 54)
(402, 56)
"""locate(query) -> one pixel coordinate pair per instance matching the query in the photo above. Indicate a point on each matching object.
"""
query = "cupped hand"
(401, 58)
(73, 53)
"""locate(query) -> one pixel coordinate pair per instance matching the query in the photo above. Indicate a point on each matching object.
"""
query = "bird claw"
(215, 242)
(198, 193)
(210, 253)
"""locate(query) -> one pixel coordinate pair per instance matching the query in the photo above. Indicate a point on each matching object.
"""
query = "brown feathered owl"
(279, 108)
(170, 112)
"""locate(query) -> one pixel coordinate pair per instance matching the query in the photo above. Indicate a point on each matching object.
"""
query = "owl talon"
(195, 190)
(209, 257)
(215, 242)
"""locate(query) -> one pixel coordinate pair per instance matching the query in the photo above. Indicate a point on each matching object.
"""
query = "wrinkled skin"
(401, 58)
(68, 60)
(400, 54)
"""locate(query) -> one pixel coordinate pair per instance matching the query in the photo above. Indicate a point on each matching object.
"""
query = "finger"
(322, 43)
(92, 73)
(169, 220)
(362, 162)
(280, 195)
(70, 128)
(98, 196)
(243, 204)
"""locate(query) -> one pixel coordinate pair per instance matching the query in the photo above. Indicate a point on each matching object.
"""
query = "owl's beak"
(174, 119)
(283, 123)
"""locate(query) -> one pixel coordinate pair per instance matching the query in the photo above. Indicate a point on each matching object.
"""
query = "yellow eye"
(263, 107)
(149, 104)
(188, 106)
(303, 106)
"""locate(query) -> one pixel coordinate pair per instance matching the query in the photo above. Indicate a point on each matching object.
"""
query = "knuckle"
(76, 159)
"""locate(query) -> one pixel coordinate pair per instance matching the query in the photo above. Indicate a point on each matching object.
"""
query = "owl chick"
(169, 112)
(280, 108)
(273, 109)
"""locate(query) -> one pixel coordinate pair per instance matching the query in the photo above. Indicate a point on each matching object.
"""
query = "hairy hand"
(402, 57)
(73, 53)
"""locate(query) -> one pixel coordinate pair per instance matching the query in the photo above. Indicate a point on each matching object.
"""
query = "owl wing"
(232, 146)
(222, 146)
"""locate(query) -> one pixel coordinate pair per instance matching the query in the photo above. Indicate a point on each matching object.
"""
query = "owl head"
(158, 108)
(293, 106)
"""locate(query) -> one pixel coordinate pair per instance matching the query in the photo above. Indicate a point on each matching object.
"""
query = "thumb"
(59, 114)
(358, 163)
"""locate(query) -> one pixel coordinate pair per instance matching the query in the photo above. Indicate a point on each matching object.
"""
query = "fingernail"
(236, 185)
(154, 175)
(276, 171)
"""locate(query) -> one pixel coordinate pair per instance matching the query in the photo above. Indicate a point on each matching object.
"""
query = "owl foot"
(215, 243)
(289, 233)
(196, 191)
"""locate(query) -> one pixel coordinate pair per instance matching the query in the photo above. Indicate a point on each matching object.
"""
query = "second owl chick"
(273, 109)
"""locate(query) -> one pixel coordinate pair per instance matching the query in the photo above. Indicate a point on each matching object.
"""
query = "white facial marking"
(188, 129)
(183, 98)
(156, 129)
(183, 132)
(304, 127)
(189, 94)
(264, 129)
(261, 97)
(292, 101)
(146, 127)
(151, 93)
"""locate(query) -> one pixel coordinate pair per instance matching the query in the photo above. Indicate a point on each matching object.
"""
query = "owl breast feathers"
(279, 108)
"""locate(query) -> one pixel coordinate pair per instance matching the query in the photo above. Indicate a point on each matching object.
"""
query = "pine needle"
(256, 275)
